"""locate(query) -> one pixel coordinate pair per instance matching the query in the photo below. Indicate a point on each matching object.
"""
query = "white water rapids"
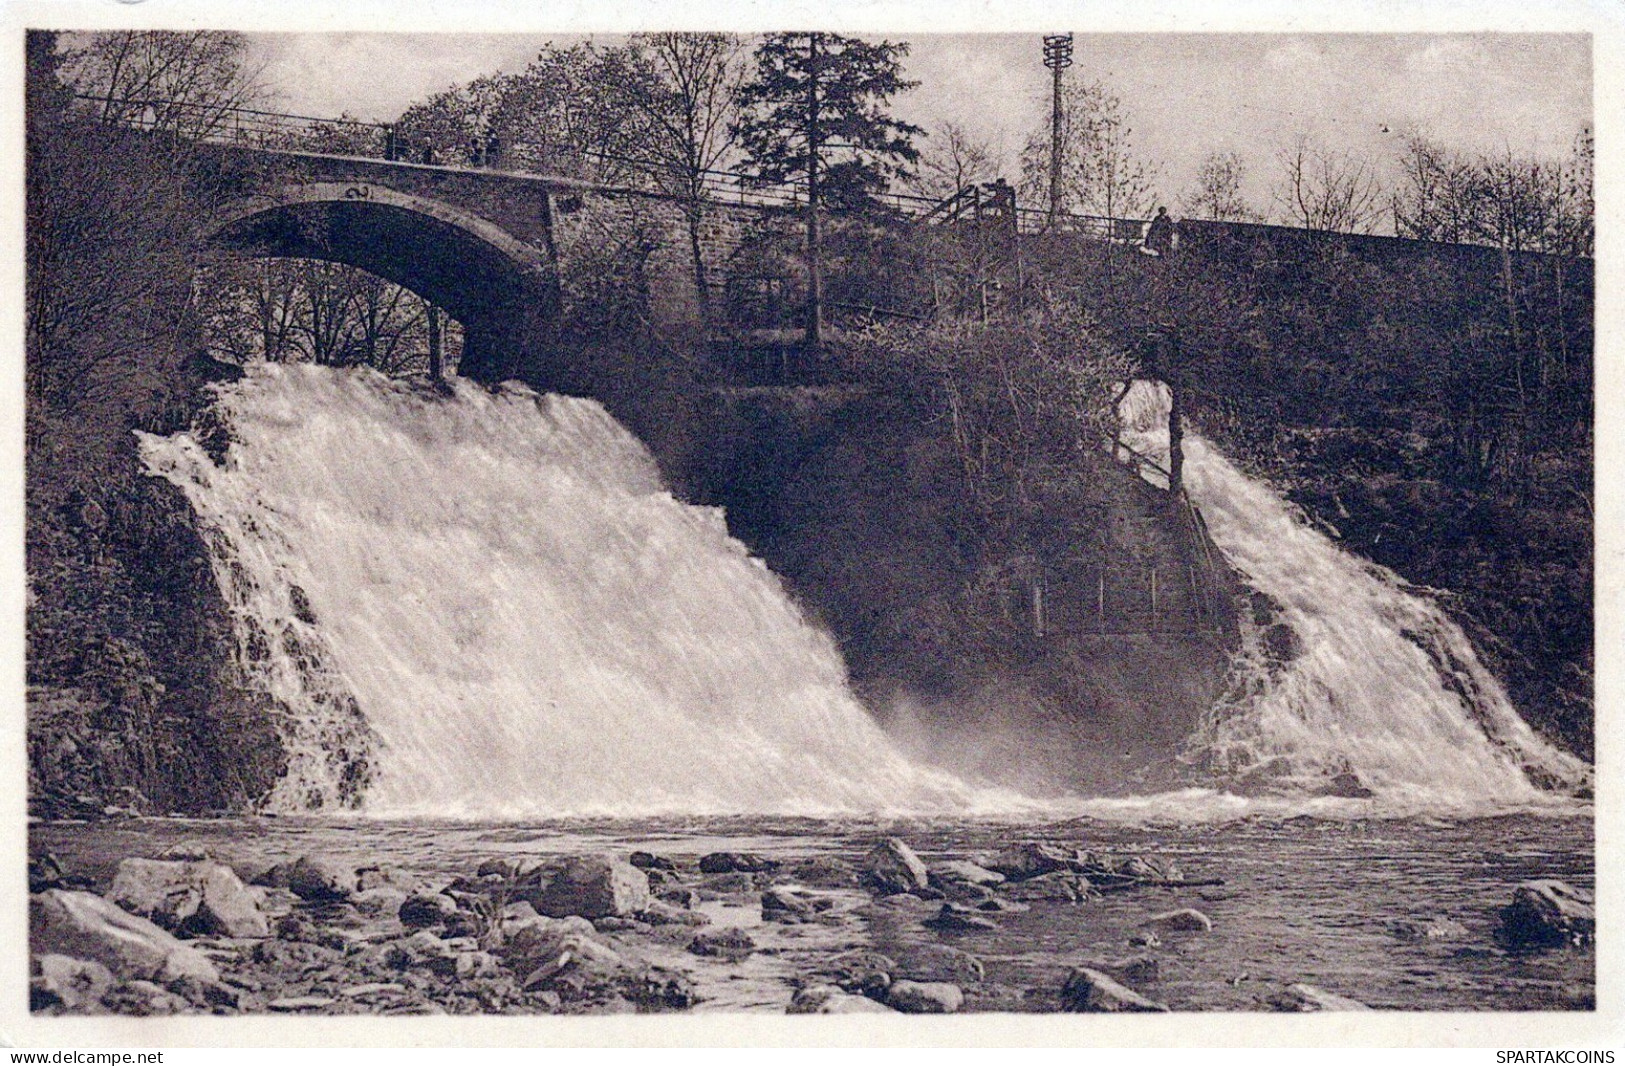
(486, 605)
(530, 624)
(1383, 685)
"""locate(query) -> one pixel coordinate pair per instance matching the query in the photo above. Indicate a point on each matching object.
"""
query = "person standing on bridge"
(1159, 236)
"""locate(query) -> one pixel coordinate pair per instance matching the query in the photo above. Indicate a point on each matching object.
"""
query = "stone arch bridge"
(489, 247)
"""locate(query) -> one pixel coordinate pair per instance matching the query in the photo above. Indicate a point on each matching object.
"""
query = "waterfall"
(486, 605)
(1376, 682)
(479, 604)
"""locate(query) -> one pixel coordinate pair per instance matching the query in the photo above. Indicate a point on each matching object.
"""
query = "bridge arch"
(504, 291)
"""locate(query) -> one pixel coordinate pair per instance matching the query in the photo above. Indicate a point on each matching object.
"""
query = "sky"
(1185, 94)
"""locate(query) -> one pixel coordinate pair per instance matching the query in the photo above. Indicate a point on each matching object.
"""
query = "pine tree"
(815, 113)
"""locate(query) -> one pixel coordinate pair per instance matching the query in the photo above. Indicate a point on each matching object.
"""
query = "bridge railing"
(244, 126)
(281, 131)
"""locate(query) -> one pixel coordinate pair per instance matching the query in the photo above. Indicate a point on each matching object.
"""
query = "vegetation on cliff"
(131, 702)
(1429, 405)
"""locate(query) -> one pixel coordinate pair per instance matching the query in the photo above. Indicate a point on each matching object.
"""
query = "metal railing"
(276, 131)
(1093, 597)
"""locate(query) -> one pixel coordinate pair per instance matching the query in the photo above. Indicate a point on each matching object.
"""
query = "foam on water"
(1383, 685)
(485, 605)
(529, 624)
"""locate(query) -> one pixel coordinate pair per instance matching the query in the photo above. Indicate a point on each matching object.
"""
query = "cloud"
(1295, 54)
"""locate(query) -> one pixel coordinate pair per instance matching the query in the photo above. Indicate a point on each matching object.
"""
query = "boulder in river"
(1548, 913)
(827, 999)
(965, 872)
(385, 899)
(1134, 969)
(924, 997)
(86, 926)
(312, 879)
(594, 887)
(730, 944)
(424, 909)
(1056, 887)
(1034, 858)
(824, 871)
(782, 905)
(191, 897)
(995, 905)
(938, 962)
(955, 918)
(865, 972)
(1414, 929)
(678, 896)
(891, 867)
(1090, 991)
(565, 956)
(659, 912)
(1302, 997)
(645, 860)
(730, 862)
(548, 948)
(1184, 920)
(67, 982)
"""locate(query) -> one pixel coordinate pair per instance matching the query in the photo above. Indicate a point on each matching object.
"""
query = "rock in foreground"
(827, 999)
(190, 898)
(60, 980)
(730, 862)
(1185, 920)
(85, 926)
(312, 879)
(924, 997)
(1092, 992)
(1548, 913)
(595, 887)
(891, 867)
(1035, 858)
(1301, 997)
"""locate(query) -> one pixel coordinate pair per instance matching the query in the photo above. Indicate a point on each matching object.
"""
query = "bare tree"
(1434, 201)
(1328, 190)
(691, 101)
(293, 310)
(1577, 227)
(1100, 172)
(1516, 203)
(179, 82)
(951, 159)
(1217, 193)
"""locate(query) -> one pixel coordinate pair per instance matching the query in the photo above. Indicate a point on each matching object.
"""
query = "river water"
(1304, 900)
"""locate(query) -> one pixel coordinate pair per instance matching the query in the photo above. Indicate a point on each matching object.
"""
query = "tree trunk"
(696, 247)
(437, 369)
(814, 327)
